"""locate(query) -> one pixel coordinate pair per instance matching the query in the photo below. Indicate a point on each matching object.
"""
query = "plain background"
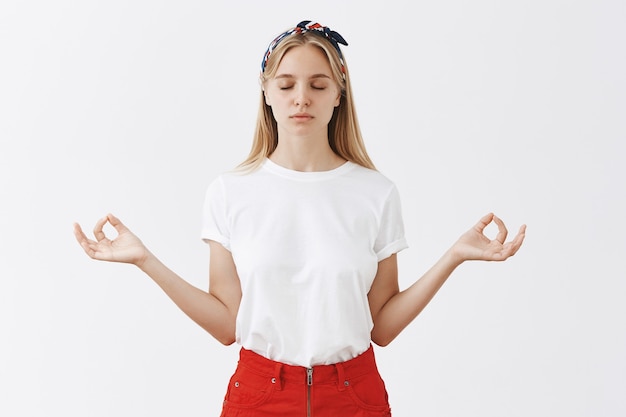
(133, 107)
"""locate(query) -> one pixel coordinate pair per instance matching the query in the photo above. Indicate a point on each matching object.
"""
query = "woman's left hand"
(474, 245)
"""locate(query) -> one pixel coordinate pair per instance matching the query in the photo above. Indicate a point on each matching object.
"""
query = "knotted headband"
(308, 26)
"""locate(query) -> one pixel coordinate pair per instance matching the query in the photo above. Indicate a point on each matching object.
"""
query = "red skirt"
(261, 387)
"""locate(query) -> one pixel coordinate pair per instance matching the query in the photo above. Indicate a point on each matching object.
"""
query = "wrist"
(144, 261)
(454, 257)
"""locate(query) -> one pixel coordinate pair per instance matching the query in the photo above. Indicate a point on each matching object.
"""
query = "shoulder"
(237, 184)
(235, 176)
(371, 178)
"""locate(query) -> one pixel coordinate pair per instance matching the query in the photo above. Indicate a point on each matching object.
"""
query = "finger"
(502, 232)
(512, 247)
(483, 222)
(97, 230)
(117, 223)
(519, 239)
(78, 233)
(89, 246)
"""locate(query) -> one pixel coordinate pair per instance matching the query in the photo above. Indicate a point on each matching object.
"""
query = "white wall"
(132, 107)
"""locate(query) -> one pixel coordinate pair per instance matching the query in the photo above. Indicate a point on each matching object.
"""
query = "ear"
(338, 100)
(267, 99)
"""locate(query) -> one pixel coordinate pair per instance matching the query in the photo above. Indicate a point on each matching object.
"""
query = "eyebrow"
(282, 76)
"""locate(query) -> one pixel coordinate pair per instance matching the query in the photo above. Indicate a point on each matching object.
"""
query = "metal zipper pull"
(309, 376)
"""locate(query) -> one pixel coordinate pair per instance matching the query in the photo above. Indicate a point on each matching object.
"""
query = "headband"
(308, 26)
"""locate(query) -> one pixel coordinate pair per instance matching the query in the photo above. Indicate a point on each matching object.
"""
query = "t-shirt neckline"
(273, 167)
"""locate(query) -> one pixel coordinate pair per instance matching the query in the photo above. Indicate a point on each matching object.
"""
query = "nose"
(301, 98)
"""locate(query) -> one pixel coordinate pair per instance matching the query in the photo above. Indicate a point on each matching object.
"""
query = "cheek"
(273, 100)
(278, 105)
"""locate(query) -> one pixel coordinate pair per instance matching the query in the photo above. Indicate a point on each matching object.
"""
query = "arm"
(392, 309)
(215, 311)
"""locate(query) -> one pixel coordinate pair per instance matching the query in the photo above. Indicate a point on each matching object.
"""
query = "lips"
(301, 116)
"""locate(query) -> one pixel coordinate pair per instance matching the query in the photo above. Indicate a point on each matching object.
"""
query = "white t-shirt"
(306, 246)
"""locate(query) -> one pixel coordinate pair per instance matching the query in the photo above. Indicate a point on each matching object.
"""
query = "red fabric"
(262, 388)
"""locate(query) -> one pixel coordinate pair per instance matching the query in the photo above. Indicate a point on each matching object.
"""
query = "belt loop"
(277, 380)
(341, 377)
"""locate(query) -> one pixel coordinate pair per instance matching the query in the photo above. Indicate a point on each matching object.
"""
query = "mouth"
(301, 116)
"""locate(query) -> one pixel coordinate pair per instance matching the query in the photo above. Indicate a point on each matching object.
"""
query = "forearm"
(202, 307)
(404, 306)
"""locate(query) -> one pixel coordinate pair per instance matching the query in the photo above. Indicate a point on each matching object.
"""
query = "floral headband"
(308, 26)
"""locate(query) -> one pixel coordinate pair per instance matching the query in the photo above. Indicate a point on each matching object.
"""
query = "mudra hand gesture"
(126, 247)
(474, 245)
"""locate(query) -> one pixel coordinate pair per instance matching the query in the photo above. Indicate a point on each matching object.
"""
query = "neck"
(305, 154)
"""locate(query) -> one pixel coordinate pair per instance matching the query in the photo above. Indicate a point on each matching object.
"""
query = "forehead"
(304, 59)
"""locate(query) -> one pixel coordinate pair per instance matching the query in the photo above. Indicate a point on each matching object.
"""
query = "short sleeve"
(391, 237)
(214, 214)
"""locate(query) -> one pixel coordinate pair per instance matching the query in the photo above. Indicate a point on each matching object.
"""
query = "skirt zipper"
(309, 383)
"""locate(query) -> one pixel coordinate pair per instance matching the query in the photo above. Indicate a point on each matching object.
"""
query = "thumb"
(117, 223)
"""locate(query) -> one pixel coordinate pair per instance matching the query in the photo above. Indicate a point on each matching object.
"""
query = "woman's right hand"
(126, 247)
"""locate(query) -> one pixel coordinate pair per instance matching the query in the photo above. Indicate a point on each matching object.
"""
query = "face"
(303, 94)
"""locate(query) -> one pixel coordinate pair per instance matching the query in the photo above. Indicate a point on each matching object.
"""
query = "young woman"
(303, 240)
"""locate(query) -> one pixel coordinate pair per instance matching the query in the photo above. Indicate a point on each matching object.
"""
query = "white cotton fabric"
(306, 246)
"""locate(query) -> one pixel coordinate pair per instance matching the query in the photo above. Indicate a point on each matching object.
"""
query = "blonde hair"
(344, 133)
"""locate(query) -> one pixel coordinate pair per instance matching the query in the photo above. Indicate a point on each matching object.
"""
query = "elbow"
(224, 330)
(227, 341)
(224, 336)
(381, 340)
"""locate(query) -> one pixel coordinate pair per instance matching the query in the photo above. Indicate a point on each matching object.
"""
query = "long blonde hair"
(344, 133)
